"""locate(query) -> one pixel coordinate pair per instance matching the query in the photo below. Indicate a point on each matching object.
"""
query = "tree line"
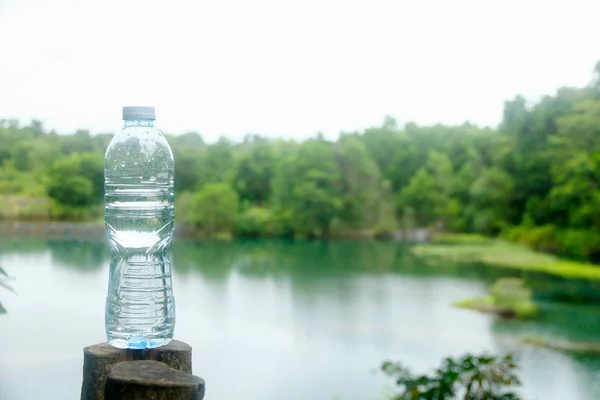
(535, 178)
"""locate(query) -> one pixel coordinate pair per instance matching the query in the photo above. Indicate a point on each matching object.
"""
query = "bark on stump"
(99, 359)
(151, 380)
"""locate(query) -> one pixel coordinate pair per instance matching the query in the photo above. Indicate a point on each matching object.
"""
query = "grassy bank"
(508, 297)
(461, 248)
(488, 305)
(562, 345)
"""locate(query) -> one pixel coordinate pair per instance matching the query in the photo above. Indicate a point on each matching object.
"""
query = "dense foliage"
(470, 377)
(534, 179)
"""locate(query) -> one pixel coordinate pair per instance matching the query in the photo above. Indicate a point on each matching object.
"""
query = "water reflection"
(556, 321)
(306, 262)
(298, 259)
(312, 318)
(213, 260)
(81, 255)
(11, 245)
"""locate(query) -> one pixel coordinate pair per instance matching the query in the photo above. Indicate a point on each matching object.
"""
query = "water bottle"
(139, 215)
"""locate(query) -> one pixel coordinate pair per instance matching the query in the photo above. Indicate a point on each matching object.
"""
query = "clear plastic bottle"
(139, 215)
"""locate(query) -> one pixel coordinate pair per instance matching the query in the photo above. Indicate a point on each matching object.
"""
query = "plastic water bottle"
(139, 216)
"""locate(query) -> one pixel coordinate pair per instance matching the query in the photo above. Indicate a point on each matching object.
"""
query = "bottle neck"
(138, 122)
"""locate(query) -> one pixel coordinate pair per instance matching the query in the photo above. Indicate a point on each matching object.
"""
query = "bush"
(543, 238)
(285, 221)
(256, 222)
(19, 183)
(183, 208)
(582, 244)
(383, 231)
(470, 377)
(509, 291)
(71, 190)
(512, 233)
(575, 243)
(77, 181)
(214, 209)
(75, 213)
(511, 294)
(508, 298)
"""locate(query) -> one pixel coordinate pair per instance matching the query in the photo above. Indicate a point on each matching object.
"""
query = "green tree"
(596, 81)
(530, 130)
(215, 163)
(383, 143)
(21, 156)
(255, 170)
(79, 142)
(186, 141)
(535, 178)
(422, 195)
(187, 164)
(77, 180)
(71, 190)
(430, 192)
(575, 194)
(362, 189)
(257, 222)
(490, 194)
(214, 208)
(307, 188)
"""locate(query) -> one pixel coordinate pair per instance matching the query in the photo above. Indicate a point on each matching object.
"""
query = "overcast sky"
(287, 68)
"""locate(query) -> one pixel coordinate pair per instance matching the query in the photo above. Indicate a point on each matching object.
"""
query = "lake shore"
(498, 253)
(53, 229)
(96, 229)
(487, 305)
(63, 229)
(347, 300)
(562, 345)
(436, 249)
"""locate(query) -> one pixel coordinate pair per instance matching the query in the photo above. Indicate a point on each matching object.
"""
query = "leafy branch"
(3, 278)
(470, 377)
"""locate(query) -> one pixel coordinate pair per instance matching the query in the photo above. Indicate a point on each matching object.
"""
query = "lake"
(274, 320)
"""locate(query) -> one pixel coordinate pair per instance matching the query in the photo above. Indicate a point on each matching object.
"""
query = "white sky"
(287, 68)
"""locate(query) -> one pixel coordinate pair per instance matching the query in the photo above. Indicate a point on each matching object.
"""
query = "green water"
(274, 320)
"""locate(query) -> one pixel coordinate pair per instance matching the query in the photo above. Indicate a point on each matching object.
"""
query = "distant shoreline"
(52, 229)
(62, 229)
(96, 230)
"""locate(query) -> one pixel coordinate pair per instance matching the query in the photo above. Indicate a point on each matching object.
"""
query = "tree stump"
(100, 358)
(151, 380)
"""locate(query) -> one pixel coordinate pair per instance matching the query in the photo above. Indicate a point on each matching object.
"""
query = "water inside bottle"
(139, 215)
(140, 307)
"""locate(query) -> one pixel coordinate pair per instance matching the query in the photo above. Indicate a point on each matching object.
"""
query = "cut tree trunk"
(100, 358)
(151, 380)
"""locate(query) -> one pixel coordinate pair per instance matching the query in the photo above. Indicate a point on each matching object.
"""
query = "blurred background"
(354, 181)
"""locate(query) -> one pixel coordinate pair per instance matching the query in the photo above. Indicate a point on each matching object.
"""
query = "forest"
(534, 179)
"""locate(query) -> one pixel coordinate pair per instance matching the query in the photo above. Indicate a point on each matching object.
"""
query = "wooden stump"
(99, 359)
(151, 380)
